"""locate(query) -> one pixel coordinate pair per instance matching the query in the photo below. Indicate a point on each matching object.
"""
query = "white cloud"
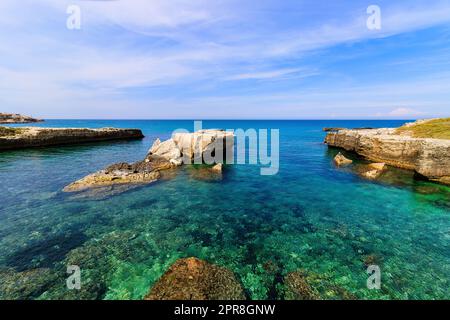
(405, 112)
(189, 41)
(280, 73)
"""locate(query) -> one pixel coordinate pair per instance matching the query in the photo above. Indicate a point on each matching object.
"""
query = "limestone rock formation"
(428, 157)
(195, 279)
(341, 160)
(206, 145)
(16, 118)
(167, 150)
(17, 138)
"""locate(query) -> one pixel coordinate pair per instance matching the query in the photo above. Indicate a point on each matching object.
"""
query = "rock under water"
(195, 279)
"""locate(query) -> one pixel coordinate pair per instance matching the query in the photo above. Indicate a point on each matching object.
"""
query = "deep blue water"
(311, 216)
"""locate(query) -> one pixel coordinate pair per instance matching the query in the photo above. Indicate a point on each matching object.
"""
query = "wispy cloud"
(150, 53)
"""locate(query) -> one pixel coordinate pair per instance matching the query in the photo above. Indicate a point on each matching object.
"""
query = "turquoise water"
(311, 216)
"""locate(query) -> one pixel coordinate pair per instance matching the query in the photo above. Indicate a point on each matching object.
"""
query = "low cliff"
(16, 118)
(428, 157)
(17, 138)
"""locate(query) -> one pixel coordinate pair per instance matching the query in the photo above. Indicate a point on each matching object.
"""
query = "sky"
(225, 59)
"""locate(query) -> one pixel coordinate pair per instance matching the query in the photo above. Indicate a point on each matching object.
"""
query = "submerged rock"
(195, 279)
(428, 157)
(373, 171)
(298, 288)
(205, 173)
(167, 150)
(28, 284)
(341, 160)
(217, 168)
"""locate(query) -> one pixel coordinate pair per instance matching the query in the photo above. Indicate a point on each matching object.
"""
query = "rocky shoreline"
(200, 147)
(27, 137)
(429, 158)
(16, 118)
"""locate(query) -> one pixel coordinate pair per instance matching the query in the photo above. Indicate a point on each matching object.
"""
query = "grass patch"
(7, 131)
(437, 129)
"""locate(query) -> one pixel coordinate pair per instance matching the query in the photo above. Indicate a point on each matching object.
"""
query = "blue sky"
(266, 59)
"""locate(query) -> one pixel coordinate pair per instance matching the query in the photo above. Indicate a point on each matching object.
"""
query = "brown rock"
(167, 150)
(217, 168)
(340, 160)
(16, 118)
(297, 287)
(194, 279)
(123, 173)
(373, 171)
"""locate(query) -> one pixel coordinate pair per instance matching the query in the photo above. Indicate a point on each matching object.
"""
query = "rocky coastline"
(16, 118)
(428, 157)
(28, 137)
(200, 147)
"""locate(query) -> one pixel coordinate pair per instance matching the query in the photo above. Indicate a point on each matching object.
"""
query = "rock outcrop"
(17, 118)
(26, 137)
(201, 147)
(204, 146)
(195, 279)
(140, 172)
(341, 160)
(373, 170)
(428, 157)
(298, 288)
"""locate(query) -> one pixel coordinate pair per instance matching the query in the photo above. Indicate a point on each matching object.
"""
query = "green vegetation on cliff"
(6, 131)
(436, 128)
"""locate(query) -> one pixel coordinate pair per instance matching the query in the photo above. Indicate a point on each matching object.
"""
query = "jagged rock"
(217, 168)
(204, 173)
(154, 146)
(195, 279)
(297, 287)
(341, 160)
(428, 157)
(39, 137)
(303, 285)
(121, 173)
(167, 150)
(202, 146)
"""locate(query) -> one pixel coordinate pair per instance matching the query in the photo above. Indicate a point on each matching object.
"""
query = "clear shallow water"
(311, 216)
